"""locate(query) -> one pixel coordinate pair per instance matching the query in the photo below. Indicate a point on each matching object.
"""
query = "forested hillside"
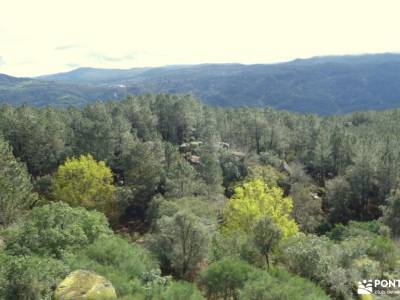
(323, 85)
(17, 91)
(163, 197)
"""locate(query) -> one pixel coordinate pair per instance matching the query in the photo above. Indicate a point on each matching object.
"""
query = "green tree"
(138, 111)
(341, 150)
(123, 138)
(177, 117)
(307, 208)
(93, 133)
(16, 195)
(362, 179)
(255, 200)
(391, 212)
(182, 180)
(85, 182)
(266, 236)
(210, 171)
(233, 168)
(142, 169)
(38, 137)
(181, 241)
(338, 200)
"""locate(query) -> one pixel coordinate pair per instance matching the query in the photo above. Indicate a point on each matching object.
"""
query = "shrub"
(29, 277)
(54, 229)
(224, 278)
(119, 261)
(280, 285)
(181, 291)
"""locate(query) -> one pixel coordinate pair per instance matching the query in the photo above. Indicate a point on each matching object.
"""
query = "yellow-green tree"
(85, 182)
(255, 200)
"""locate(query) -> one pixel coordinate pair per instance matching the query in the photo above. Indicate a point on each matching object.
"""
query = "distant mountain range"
(323, 85)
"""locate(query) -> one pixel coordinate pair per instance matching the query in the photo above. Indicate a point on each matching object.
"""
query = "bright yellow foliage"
(85, 182)
(254, 200)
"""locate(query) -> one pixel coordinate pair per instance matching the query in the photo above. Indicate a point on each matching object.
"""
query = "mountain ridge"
(322, 85)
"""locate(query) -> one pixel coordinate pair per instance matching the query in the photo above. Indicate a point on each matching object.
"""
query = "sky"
(48, 36)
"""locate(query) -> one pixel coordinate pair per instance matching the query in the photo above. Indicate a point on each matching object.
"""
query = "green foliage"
(280, 285)
(391, 212)
(85, 182)
(55, 229)
(315, 258)
(359, 250)
(16, 194)
(122, 263)
(309, 256)
(266, 236)
(354, 229)
(205, 210)
(141, 167)
(233, 168)
(224, 278)
(270, 175)
(38, 137)
(29, 277)
(210, 171)
(93, 128)
(181, 242)
(307, 210)
(255, 200)
(181, 291)
(338, 200)
(141, 171)
(177, 117)
(290, 172)
(385, 251)
(181, 179)
(238, 245)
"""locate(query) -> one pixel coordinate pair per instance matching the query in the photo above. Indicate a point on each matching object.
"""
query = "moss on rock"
(85, 285)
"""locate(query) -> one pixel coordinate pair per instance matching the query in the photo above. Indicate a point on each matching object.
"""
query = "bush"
(181, 291)
(119, 261)
(354, 229)
(54, 229)
(224, 278)
(236, 245)
(29, 277)
(280, 285)
(317, 258)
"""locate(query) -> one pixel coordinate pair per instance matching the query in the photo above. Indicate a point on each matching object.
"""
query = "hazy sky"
(45, 36)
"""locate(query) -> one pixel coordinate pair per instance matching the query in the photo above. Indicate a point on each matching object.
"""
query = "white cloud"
(52, 36)
(66, 47)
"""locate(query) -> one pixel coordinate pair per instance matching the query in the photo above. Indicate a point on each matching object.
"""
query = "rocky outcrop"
(85, 285)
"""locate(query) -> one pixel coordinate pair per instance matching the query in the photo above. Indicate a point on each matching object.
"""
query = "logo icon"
(364, 287)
